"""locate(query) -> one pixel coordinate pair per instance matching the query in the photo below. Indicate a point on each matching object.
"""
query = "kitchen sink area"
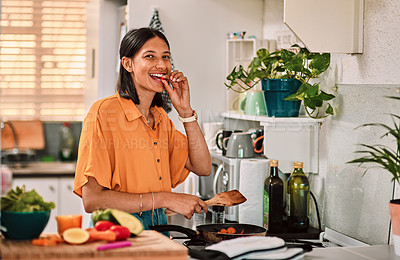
(35, 169)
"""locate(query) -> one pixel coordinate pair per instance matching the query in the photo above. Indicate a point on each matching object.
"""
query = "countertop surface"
(148, 245)
(34, 169)
(381, 252)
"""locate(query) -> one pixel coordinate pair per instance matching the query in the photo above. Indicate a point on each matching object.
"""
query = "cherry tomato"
(103, 225)
(121, 231)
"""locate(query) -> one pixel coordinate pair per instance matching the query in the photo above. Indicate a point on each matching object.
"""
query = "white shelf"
(267, 119)
(288, 139)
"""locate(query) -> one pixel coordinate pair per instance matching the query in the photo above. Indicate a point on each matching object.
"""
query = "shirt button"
(155, 143)
(158, 160)
(160, 178)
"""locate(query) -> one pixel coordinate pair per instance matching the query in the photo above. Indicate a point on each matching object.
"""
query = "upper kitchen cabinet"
(105, 21)
(334, 26)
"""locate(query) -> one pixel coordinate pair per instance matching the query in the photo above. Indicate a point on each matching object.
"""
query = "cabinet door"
(70, 203)
(48, 189)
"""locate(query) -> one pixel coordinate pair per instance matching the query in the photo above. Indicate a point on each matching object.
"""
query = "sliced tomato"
(103, 225)
(121, 231)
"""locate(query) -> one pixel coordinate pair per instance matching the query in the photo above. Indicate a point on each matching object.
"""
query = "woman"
(130, 154)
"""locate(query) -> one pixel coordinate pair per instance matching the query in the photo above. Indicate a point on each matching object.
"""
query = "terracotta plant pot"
(394, 207)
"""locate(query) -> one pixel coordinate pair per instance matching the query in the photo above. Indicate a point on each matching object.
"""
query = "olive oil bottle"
(273, 200)
(298, 198)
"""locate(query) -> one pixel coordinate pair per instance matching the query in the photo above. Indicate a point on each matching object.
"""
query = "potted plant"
(388, 159)
(285, 78)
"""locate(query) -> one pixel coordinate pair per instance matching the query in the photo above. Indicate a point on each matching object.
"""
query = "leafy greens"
(20, 200)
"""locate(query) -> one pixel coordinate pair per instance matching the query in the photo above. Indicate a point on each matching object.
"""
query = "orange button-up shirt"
(123, 153)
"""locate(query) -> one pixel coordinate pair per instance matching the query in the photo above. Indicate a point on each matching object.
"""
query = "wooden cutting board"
(30, 135)
(148, 245)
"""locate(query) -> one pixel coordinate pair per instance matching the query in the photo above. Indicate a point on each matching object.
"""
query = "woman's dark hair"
(130, 45)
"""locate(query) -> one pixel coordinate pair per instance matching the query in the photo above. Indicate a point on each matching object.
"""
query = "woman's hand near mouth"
(199, 160)
(179, 93)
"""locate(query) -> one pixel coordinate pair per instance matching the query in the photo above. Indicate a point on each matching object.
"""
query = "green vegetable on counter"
(119, 217)
(20, 200)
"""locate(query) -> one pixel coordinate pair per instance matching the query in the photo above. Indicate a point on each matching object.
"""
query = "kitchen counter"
(148, 245)
(381, 252)
(43, 169)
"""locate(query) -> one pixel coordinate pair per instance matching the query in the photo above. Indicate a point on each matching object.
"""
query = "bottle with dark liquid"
(298, 197)
(273, 200)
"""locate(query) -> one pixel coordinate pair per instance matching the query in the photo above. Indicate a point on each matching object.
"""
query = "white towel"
(257, 247)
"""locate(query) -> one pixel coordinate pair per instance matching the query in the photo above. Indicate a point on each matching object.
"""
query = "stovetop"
(309, 239)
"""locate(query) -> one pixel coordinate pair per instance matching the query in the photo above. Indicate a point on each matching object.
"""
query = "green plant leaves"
(296, 63)
(313, 99)
(320, 63)
(381, 155)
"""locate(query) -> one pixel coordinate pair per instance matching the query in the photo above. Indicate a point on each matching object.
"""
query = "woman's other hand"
(184, 204)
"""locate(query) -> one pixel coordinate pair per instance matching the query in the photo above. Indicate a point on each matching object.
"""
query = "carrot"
(44, 242)
(107, 235)
(54, 237)
(223, 231)
(231, 230)
(47, 240)
(242, 232)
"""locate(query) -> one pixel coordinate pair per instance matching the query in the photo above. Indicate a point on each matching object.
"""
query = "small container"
(65, 222)
(218, 214)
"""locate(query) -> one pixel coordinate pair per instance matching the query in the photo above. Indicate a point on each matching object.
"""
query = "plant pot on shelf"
(394, 207)
(275, 90)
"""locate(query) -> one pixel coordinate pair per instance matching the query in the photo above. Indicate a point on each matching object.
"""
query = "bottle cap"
(273, 163)
(298, 165)
(66, 124)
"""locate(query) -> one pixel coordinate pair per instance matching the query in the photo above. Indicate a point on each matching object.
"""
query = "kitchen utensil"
(221, 136)
(254, 104)
(211, 232)
(239, 145)
(114, 245)
(148, 245)
(226, 199)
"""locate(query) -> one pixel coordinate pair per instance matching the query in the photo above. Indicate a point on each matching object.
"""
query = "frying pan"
(209, 232)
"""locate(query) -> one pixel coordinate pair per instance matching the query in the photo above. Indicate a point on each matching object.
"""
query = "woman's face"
(151, 62)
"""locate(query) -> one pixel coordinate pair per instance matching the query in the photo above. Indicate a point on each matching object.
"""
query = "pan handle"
(187, 231)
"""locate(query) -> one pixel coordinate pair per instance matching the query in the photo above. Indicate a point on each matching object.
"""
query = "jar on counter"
(218, 214)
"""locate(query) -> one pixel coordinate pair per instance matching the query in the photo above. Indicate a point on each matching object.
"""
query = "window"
(42, 59)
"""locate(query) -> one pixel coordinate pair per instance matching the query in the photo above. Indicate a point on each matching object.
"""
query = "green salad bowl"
(24, 225)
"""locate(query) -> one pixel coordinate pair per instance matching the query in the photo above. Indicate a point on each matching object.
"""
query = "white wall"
(353, 204)
(197, 30)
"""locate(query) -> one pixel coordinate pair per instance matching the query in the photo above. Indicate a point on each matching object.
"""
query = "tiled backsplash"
(52, 139)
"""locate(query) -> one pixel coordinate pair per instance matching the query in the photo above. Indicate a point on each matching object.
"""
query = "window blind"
(42, 59)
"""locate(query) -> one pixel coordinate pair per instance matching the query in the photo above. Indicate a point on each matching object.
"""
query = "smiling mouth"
(157, 76)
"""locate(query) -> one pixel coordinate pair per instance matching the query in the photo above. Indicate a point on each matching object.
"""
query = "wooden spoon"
(226, 199)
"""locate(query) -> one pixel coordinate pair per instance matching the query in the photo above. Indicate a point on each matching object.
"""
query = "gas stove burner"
(197, 244)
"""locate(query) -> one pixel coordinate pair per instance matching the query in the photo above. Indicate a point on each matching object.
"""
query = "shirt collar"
(132, 112)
